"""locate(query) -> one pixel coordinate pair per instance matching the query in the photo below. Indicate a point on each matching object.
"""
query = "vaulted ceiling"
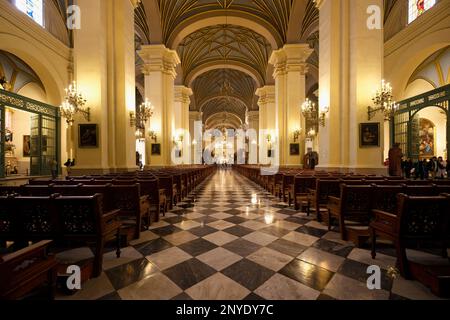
(225, 45)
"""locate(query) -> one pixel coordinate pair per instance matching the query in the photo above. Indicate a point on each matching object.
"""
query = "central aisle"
(232, 240)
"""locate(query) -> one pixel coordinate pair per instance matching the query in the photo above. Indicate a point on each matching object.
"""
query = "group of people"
(434, 168)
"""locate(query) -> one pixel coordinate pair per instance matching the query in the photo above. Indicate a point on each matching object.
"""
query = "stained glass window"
(417, 7)
(32, 8)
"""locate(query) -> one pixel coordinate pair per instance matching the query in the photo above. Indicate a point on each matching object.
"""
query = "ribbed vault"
(222, 43)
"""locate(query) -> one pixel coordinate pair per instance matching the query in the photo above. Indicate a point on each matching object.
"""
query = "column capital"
(291, 58)
(266, 95)
(159, 58)
(319, 3)
(135, 3)
(182, 94)
(195, 115)
(253, 115)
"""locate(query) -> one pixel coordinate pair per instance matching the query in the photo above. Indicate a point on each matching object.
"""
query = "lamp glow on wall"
(73, 104)
(383, 101)
(323, 115)
(297, 134)
(140, 117)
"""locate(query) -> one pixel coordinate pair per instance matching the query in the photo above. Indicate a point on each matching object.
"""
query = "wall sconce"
(383, 101)
(73, 104)
(178, 139)
(269, 138)
(153, 136)
(132, 119)
(194, 142)
(323, 115)
(311, 133)
(297, 134)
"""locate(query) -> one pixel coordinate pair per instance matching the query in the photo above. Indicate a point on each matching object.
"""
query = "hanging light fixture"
(384, 102)
(73, 103)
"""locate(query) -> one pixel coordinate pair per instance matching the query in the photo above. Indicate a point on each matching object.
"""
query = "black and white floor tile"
(230, 240)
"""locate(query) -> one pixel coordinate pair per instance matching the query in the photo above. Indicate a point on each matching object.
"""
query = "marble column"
(267, 123)
(196, 132)
(104, 68)
(253, 136)
(181, 114)
(350, 70)
(159, 71)
(289, 74)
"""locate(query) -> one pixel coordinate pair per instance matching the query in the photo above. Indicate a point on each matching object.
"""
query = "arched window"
(417, 7)
(32, 8)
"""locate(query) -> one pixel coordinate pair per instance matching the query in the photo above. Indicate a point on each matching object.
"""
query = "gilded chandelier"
(383, 101)
(73, 104)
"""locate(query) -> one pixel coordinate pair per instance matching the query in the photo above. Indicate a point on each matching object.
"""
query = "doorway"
(29, 136)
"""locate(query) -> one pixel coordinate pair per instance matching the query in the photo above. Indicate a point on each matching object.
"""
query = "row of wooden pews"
(81, 210)
(409, 213)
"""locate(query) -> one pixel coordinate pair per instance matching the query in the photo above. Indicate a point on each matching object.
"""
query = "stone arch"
(214, 18)
(214, 65)
(51, 78)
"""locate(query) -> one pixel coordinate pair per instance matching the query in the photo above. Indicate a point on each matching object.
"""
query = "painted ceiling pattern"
(219, 85)
(274, 13)
(225, 43)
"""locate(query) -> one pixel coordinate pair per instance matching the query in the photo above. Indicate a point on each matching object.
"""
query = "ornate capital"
(158, 58)
(135, 3)
(182, 94)
(266, 95)
(291, 58)
(319, 3)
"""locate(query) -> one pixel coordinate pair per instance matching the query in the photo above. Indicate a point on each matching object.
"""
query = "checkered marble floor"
(230, 240)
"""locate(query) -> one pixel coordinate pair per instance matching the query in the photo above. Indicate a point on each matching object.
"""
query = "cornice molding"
(421, 27)
(182, 94)
(13, 16)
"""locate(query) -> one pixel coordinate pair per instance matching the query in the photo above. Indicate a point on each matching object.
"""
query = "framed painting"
(156, 149)
(294, 149)
(88, 135)
(369, 135)
(26, 146)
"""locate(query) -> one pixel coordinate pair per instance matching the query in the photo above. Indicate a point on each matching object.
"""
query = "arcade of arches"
(222, 76)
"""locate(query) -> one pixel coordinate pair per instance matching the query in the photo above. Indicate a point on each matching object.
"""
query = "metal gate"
(404, 125)
(44, 135)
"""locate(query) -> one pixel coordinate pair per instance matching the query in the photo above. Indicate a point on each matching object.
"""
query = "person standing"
(408, 165)
(395, 161)
(441, 168)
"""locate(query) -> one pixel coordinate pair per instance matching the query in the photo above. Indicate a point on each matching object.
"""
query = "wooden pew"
(417, 219)
(60, 219)
(26, 270)
(352, 211)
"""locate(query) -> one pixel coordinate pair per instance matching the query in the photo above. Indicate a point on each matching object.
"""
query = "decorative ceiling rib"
(311, 17)
(213, 84)
(224, 105)
(275, 13)
(140, 22)
(225, 43)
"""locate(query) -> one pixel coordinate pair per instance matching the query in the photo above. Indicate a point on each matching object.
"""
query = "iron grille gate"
(44, 135)
(404, 125)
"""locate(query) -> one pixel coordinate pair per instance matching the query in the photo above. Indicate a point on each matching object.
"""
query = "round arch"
(412, 56)
(207, 19)
(212, 98)
(38, 61)
(219, 65)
